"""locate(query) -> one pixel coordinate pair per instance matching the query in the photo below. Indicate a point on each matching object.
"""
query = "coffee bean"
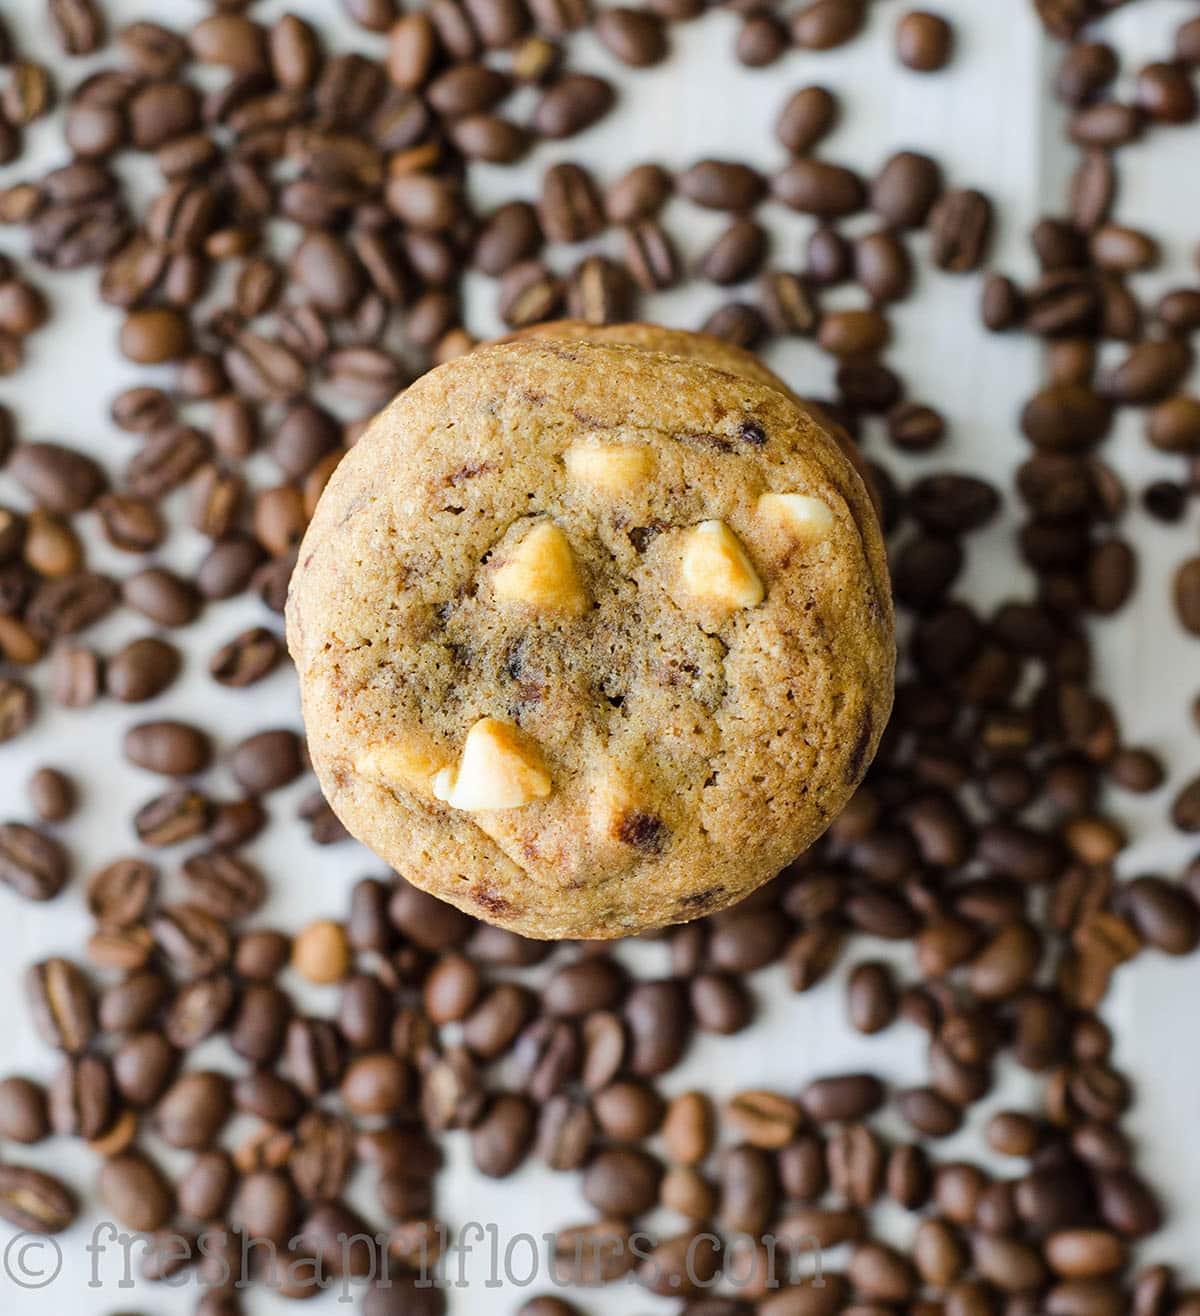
(23, 1111)
(636, 37)
(572, 103)
(61, 1004)
(35, 1202)
(824, 24)
(721, 185)
(134, 1190)
(570, 208)
(816, 187)
(143, 669)
(923, 41)
(960, 226)
(224, 885)
(33, 864)
(638, 194)
(502, 1138)
(847, 1097)
(905, 189)
(61, 479)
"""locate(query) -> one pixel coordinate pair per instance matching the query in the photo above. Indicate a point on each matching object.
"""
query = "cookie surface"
(591, 638)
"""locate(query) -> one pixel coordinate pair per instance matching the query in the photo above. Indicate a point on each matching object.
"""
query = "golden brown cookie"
(591, 638)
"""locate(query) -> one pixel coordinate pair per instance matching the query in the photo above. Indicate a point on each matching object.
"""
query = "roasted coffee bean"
(570, 104)
(650, 256)
(31, 863)
(570, 208)
(816, 187)
(192, 939)
(82, 1098)
(59, 478)
(923, 41)
(636, 37)
(848, 1097)
(905, 189)
(721, 185)
(61, 1004)
(638, 194)
(135, 1191)
(175, 749)
(35, 1202)
(824, 24)
(136, 673)
(501, 1140)
(960, 226)
(223, 884)
(24, 1115)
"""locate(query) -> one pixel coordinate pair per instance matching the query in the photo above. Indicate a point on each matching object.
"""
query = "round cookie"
(591, 638)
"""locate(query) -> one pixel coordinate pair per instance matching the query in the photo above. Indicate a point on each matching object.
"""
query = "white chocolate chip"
(612, 468)
(800, 515)
(500, 768)
(397, 765)
(540, 571)
(716, 569)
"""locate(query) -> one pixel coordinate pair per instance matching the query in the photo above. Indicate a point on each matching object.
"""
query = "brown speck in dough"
(699, 900)
(856, 763)
(489, 900)
(643, 831)
(468, 472)
(750, 431)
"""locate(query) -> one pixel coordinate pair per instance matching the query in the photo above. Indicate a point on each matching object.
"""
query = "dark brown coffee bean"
(60, 1002)
(788, 304)
(905, 189)
(141, 670)
(82, 1100)
(1174, 425)
(267, 760)
(1087, 67)
(175, 816)
(18, 706)
(650, 256)
(198, 1010)
(736, 255)
(194, 942)
(848, 1097)
(871, 997)
(816, 187)
(622, 1182)
(923, 41)
(570, 208)
(60, 479)
(636, 37)
(1106, 124)
(721, 185)
(824, 24)
(31, 863)
(247, 658)
(503, 1137)
(33, 1201)
(640, 193)
(135, 1191)
(1164, 92)
(529, 294)
(23, 1110)
(571, 104)
(172, 748)
(960, 225)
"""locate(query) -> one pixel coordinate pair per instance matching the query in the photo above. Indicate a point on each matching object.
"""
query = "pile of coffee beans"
(300, 259)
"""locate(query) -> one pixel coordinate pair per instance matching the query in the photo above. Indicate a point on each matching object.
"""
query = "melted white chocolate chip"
(500, 768)
(716, 569)
(802, 516)
(540, 571)
(612, 468)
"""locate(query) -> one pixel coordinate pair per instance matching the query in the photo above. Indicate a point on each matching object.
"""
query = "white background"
(990, 122)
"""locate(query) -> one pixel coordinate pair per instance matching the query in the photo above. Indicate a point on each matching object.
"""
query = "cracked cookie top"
(592, 638)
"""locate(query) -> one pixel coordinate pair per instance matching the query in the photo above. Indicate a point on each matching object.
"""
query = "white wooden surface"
(989, 121)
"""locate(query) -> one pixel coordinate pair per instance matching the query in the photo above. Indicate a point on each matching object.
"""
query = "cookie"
(592, 638)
